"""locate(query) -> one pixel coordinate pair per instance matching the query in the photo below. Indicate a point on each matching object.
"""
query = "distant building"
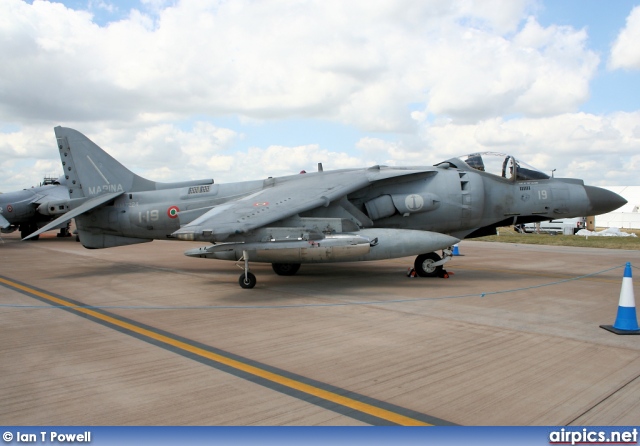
(628, 216)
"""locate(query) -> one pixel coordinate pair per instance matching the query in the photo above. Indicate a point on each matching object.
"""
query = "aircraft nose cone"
(602, 200)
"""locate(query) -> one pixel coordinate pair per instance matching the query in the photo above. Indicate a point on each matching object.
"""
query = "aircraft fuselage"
(452, 201)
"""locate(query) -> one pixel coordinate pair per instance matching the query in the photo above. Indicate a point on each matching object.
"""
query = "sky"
(246, 89)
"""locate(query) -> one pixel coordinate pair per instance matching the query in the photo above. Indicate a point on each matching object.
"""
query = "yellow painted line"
(238, 365)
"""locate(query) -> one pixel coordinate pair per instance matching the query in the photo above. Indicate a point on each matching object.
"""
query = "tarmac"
(142, 335)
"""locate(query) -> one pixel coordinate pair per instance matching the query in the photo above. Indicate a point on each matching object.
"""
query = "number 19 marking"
(148, 216)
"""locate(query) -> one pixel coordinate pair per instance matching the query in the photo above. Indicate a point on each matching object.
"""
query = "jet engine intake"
(380, 207)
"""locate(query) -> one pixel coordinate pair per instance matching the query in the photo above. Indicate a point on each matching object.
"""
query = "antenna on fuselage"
(320, 169)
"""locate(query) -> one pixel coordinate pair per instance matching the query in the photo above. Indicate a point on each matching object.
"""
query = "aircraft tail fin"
(90, 171)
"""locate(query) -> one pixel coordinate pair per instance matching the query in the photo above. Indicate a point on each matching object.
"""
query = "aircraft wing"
(84, 207)
(36, 198)
(284, 199)
(4, 223)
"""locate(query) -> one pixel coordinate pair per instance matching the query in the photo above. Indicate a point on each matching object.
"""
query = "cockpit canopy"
(53, 181)
(502, 165)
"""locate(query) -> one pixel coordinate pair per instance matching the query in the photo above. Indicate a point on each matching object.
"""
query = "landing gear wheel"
(423, 264)
(247, 282)
(26, 230)
(285, 269)
(64, 232)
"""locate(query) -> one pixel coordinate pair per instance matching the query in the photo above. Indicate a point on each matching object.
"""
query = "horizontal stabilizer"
(84, 207)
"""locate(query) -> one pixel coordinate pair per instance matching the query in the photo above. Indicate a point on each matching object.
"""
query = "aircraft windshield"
(503, 165)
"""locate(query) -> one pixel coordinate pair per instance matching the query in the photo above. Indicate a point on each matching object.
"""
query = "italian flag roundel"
(172, 212)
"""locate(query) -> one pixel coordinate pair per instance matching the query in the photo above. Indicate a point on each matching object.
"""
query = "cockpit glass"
(503, 165)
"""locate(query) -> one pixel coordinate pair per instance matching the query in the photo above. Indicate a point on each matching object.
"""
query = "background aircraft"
(326, 216)
(30, 209)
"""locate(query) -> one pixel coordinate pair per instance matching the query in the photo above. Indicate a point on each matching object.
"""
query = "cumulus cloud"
(578, 145)
(625, 52)
(356, 62)
(600, 149)
(427, 79)
(538, 72)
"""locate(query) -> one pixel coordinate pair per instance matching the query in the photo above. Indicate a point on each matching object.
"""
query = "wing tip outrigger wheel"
(247, 279)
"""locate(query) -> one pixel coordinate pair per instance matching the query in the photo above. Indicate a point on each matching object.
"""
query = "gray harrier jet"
(30, 209)
(326, 216)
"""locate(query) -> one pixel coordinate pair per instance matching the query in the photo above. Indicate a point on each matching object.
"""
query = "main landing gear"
(27, 229)
(64, 232)
(430, 264)
(285, 269)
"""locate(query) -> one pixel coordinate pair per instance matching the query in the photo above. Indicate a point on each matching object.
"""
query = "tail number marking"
(147, 216)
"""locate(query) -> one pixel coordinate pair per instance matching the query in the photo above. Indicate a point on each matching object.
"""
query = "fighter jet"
(371, 213)
(30, 209)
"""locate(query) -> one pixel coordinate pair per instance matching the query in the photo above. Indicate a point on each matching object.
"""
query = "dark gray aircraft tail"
(94, 177)
(90, 171)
